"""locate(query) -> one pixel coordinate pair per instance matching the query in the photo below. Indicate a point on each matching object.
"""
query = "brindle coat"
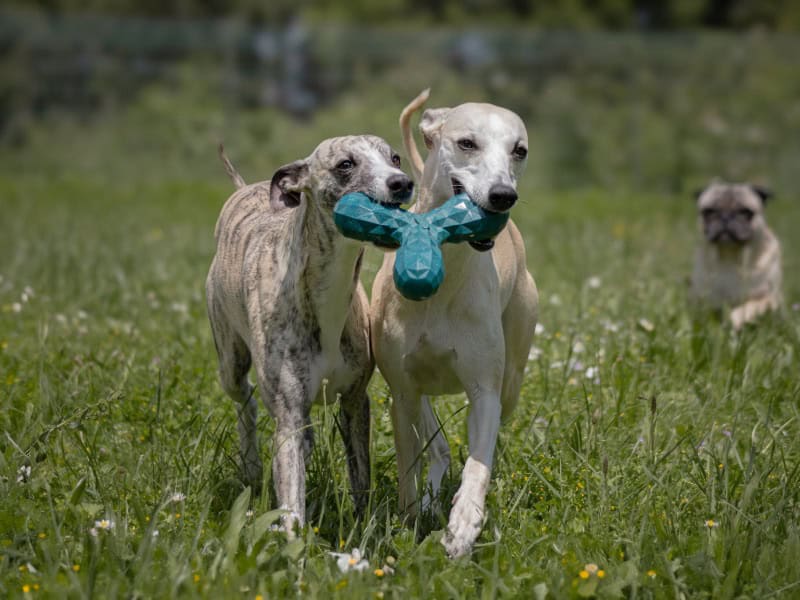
(283, 296)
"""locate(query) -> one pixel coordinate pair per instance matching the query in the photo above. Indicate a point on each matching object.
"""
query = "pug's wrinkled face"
(731, 213)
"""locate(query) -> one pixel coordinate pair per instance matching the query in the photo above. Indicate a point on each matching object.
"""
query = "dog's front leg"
(466, 516)
(289, 469)
(354, 422)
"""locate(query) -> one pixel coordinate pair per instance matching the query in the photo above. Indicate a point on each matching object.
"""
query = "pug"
(737, 265)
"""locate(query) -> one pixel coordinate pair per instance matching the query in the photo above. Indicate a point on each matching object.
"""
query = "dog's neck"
(330, 274)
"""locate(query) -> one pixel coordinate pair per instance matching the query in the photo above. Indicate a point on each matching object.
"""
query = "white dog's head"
(475, 148)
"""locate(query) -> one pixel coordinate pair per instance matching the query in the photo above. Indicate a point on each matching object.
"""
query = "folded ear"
(431, 124)
(762, 192)
(287, 185)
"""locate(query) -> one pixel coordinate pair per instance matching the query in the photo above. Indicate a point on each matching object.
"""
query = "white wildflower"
(594, 282)
(104, 524)
(83, 315)
(61, 319)
(539, 329)
(535, 353)
(179, 307)
(16, 307)
(177, 497)
(578, 347)
(555, 300)
(23, 474)
(610, 326)
(593, 373)
(350, 562)
(646, 325)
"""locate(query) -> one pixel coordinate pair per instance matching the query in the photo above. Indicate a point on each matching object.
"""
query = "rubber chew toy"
(418, 267)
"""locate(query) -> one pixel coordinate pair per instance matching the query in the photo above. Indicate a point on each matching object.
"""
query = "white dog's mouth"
(458, 187)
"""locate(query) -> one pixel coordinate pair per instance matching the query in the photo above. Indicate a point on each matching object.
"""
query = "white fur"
(474, 335)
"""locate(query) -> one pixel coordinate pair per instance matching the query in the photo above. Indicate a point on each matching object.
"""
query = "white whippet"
(475, 333)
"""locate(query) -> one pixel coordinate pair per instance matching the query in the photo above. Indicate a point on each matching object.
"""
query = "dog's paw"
(466, 519)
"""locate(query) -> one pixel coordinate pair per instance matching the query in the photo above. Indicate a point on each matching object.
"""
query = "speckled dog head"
(362, 163)
(731, 213)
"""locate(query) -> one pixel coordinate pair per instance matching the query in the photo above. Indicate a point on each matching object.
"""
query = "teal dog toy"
(418, 268)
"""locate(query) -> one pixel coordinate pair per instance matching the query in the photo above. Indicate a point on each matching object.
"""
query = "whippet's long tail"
(417, 164)
(230, 169)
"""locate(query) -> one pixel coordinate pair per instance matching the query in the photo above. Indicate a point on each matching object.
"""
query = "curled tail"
(230, 169)
(417, 164)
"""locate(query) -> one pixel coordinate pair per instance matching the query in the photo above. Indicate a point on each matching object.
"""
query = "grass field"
(647, 459)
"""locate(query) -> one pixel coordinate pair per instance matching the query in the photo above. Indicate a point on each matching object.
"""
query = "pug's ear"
(762, 192)
(431, 125)
(287, 185)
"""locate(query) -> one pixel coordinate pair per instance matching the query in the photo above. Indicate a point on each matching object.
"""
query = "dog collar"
(418, 266)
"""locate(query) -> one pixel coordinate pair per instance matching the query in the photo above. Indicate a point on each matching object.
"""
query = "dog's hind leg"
(234, 364)
(438, 451)
(354, 424)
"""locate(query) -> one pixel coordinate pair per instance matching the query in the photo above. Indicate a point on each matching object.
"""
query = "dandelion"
(42, 535)
(378, 572)
(350, 562)
(651, 574)
(601, 574)
(23, 474)
(196, 578)
(584, 574)
(177, 497)
(711, 523)
(76, 568)
(26, 589)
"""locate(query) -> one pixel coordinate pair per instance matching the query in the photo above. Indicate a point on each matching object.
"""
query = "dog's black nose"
(502, 197)
(400, 186)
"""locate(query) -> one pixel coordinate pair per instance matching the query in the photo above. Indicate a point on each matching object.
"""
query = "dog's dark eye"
(345, 165)
(466, 144)
(396, 160)
(708, 213)
(746, 213)
(520, 152)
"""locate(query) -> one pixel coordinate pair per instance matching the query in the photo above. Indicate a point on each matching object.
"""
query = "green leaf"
(294, 549)
(77, 492)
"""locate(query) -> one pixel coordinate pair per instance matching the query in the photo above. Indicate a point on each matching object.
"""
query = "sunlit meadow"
(650, 457)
